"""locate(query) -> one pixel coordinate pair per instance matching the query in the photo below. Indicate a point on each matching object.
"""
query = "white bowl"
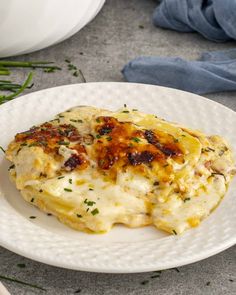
(27, 26)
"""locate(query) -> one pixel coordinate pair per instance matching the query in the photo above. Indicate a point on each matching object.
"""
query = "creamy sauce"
(158, 172)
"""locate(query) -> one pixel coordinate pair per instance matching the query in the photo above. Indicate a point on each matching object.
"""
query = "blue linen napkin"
(214, 71)
(214, 19)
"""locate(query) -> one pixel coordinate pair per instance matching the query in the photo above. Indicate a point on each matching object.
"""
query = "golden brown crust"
(97, 168)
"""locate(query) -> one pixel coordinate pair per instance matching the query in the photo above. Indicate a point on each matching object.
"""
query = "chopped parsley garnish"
(32, 200)
(98, 120)
(60, 177)
(61, 116)
(109, 138)
(70, 181)
(183, 135)
(208, 149)
(89, 203)
(32, 217)
(11, 167)
(67, 190)
(72, 67)
(105, 130)
(21, 265)
(49, 214)
(50, 70)
(134, 110)
(33, 144)
(18, 151)
(144, 282)
(217, 173)
(155, 276)
(125, 112)
(176, 140)
(23, 144)
(156, 183)
(136, 139)
(61, 142)
(166, 165)
(87, 210)
(187, 199)
(98, 136)
(76, 121)
(95, 211)
(125, 105)
(57, 119)
(175, 233)
(79, 216)
(40, 190)
(91, 189)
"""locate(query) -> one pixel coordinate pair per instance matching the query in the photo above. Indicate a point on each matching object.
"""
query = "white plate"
(122, 250)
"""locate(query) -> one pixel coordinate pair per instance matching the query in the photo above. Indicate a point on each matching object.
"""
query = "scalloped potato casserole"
(93, 168)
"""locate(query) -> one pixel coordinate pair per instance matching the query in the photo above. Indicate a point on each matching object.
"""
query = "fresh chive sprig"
(4, 64)
(5, 98)
(21, 282)
(9, 89)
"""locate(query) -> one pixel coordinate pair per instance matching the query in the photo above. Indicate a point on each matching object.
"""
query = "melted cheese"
(94, 168)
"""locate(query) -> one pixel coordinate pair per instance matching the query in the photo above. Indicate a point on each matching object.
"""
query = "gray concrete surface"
(100, 50)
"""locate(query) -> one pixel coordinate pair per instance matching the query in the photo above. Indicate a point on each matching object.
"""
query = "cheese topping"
(94, 168)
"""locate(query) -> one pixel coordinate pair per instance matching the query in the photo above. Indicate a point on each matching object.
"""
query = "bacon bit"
(74, 161)
(108, 123)
(140, 158)
(104, 130)
(77, 160)
(169, 152)
(150, 137)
